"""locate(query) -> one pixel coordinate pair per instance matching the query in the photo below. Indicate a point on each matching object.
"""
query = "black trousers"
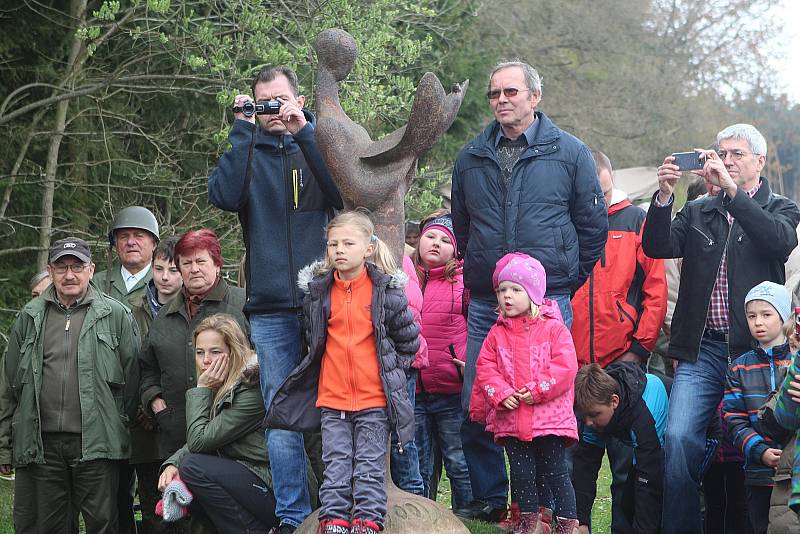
(231, 496)
(47, 496)
(125, 492)
(758, 508)
(726, 503)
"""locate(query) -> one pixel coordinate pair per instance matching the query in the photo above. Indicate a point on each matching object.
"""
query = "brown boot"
(529, 523)
(566, 526)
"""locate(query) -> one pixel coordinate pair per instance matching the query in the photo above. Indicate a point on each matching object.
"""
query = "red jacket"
(621, 306)
(539, 355)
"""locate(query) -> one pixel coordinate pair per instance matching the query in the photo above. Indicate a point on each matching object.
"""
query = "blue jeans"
(696, 393)
(485, 459)
(487, 467)
(438, 418)
(276, 337)
(405, 467)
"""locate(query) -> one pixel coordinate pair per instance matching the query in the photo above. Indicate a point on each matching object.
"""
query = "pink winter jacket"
(414, 296)
(535, 353)
(443, 324)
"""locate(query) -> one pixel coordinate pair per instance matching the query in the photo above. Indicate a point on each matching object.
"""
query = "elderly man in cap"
(68, 387)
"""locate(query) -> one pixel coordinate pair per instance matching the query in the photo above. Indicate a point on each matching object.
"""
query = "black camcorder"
(263, 107)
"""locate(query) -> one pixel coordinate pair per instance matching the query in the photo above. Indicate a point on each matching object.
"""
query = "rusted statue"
(376, 174)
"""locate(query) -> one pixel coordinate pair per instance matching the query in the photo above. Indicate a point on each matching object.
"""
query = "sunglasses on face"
(508, 92)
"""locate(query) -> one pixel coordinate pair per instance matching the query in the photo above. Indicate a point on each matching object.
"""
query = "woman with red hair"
(167, 358)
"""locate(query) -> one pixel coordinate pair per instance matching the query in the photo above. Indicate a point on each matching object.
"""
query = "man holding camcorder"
(275, 179)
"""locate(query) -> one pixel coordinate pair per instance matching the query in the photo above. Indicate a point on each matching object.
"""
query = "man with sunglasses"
(729, 243)
(68, 388)
(523, 184)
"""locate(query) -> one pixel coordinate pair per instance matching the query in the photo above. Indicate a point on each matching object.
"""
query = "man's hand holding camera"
(238, 104)
(290, 113)
(715, 173)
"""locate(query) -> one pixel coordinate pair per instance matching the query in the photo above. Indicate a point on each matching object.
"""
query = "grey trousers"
(354, 454)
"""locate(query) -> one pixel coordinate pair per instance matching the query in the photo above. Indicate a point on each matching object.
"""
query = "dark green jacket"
(234, 431)
(116, 285)
(107, 379)
(167, 358)
(144, 437)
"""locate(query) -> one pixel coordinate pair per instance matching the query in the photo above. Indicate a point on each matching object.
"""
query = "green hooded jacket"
(234, 431)
(108, 374)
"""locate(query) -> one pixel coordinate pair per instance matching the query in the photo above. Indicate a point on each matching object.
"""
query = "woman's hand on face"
(215, 374)
(167, 475)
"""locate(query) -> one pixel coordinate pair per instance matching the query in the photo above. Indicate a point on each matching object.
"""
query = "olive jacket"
(167, 358)
(230, 428)
(107, 378)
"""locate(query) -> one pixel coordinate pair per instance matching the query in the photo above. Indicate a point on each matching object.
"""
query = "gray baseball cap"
(71, 246)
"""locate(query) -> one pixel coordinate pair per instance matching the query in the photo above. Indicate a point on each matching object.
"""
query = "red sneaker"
(334, 526)
(364, 526)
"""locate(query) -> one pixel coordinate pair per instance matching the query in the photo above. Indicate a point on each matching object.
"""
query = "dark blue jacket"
(281, 235)
(553, 211)
(751, 378)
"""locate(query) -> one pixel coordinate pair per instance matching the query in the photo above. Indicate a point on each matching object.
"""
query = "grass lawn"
(601, 514)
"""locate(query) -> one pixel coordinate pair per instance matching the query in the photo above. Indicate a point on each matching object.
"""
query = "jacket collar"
(312, 278)
(619, 206)
(718, 202)
(178, 302)
(779, 352)
(546, 134)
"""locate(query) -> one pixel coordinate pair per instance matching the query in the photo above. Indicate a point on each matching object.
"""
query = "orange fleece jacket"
(350, 375)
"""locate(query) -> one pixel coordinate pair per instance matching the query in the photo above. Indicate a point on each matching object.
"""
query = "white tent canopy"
(637, 182)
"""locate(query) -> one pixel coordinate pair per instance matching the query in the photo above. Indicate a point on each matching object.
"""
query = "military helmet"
(133, 217)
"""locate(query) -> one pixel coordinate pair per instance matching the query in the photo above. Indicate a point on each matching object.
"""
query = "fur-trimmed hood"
(306, 275)
(251, 372)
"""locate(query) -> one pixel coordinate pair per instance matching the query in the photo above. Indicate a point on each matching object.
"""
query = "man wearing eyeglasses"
(68, 387)
(523, 184)
(729, 243)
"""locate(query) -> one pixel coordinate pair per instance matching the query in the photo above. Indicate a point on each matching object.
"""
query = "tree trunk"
(77, 56)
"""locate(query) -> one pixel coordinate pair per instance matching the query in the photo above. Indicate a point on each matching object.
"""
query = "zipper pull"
(66, 326)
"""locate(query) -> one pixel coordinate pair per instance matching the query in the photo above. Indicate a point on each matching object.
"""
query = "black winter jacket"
(759, 241)
(396, 341)
(554, 210)
(280, 235)
(632, 420)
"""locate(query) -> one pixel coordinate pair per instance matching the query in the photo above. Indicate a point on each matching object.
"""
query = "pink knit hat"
(523, 270)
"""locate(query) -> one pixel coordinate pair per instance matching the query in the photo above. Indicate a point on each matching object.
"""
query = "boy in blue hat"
(751, 378)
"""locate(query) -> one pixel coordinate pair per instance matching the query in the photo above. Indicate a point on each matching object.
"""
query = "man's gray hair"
(748, 132)
(532, 78)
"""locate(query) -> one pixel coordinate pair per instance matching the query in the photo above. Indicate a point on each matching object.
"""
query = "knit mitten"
(176, 498)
